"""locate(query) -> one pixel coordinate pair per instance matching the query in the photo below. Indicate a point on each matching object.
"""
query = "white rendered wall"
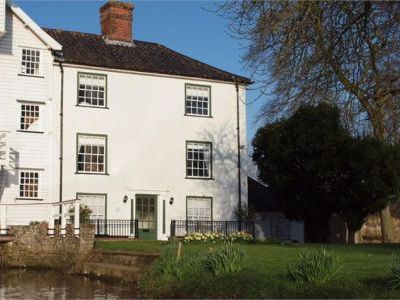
(147, 131)
(27, 150)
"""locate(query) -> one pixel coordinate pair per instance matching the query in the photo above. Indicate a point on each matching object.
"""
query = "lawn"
(137, 246)
(365, 273)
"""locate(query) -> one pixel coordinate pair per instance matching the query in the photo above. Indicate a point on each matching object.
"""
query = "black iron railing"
(183, 227)
(115, 228)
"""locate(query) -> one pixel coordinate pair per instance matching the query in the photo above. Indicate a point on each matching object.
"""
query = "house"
(133, 129)
(269, 220)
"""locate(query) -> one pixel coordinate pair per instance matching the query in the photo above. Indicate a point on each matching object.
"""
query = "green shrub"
(316, 267)
(34, 223)
(171, 265)
(395, 272)
(84, 213)
(227, 258)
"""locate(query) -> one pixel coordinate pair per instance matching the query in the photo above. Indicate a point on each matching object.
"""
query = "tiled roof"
(92, 50)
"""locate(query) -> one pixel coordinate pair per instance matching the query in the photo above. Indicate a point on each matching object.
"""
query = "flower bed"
(215, 237)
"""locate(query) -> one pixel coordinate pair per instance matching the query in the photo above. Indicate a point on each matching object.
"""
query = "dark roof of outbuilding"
(92, 50)
(261, 198)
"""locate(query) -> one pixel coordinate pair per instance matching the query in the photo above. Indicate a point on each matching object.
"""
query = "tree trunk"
(350, 236)
(353, 235)
(387, 227)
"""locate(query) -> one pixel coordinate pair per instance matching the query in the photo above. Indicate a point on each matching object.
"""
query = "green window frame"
(199, 198)
(95, 194)
(197, 100)
(196, 166)
(88, 158)
(92, 95)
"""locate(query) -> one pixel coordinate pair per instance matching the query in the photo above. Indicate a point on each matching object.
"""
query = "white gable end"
(29, 23)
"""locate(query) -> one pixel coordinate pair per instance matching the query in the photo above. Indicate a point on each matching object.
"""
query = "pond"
(29, 284)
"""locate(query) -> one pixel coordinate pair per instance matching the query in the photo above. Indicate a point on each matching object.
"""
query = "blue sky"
(185, 26)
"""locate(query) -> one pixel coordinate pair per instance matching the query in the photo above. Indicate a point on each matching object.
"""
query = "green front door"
(146, 214)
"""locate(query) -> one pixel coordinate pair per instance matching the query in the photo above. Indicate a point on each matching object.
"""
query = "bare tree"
(313, 51)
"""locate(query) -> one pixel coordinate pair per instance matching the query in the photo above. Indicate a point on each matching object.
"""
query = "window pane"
(88, 90)
(198, 160)
(30, 62)
(29, 184)
(91, 157)
(97, 203)
(30, 117)
(199, 209)
(197, 97)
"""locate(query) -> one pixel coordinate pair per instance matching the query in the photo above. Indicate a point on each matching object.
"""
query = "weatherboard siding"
(27, 150)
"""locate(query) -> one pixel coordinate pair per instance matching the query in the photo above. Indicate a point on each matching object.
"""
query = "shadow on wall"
(9, 176)
(224, 169)
(6, 40)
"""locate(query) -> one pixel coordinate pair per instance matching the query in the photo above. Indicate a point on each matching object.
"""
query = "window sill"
(88, 106)
(30, 131)
(27, 75)
(198, 116)
(88, 173)
(199, 178)
(30, 199)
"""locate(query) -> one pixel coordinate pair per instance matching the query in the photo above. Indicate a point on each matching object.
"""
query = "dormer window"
(30, 62)
(92, 90)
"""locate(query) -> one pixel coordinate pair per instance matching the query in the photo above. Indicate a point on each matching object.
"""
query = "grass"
(137, 246)
(365, 274)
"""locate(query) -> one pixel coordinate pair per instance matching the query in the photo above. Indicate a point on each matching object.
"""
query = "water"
(28, 284)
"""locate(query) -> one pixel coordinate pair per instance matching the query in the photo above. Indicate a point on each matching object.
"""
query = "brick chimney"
(116, 21)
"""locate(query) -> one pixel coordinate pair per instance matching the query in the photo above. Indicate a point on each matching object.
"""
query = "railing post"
(226, 227)
(254, 229)
(50, 228)
(3, 219)
(137, 228)
(97, 227)
(63, 219)
(131, 227)
(173, 224)
(77, 218)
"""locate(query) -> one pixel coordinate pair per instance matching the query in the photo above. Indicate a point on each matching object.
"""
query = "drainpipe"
(59, 57)
(239, 172)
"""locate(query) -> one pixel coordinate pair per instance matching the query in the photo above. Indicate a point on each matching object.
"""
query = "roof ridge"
(91, 49)
(202, 63)
(72, 31)
(95, 34)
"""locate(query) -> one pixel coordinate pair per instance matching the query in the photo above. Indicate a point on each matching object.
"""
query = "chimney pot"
(116, 21)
